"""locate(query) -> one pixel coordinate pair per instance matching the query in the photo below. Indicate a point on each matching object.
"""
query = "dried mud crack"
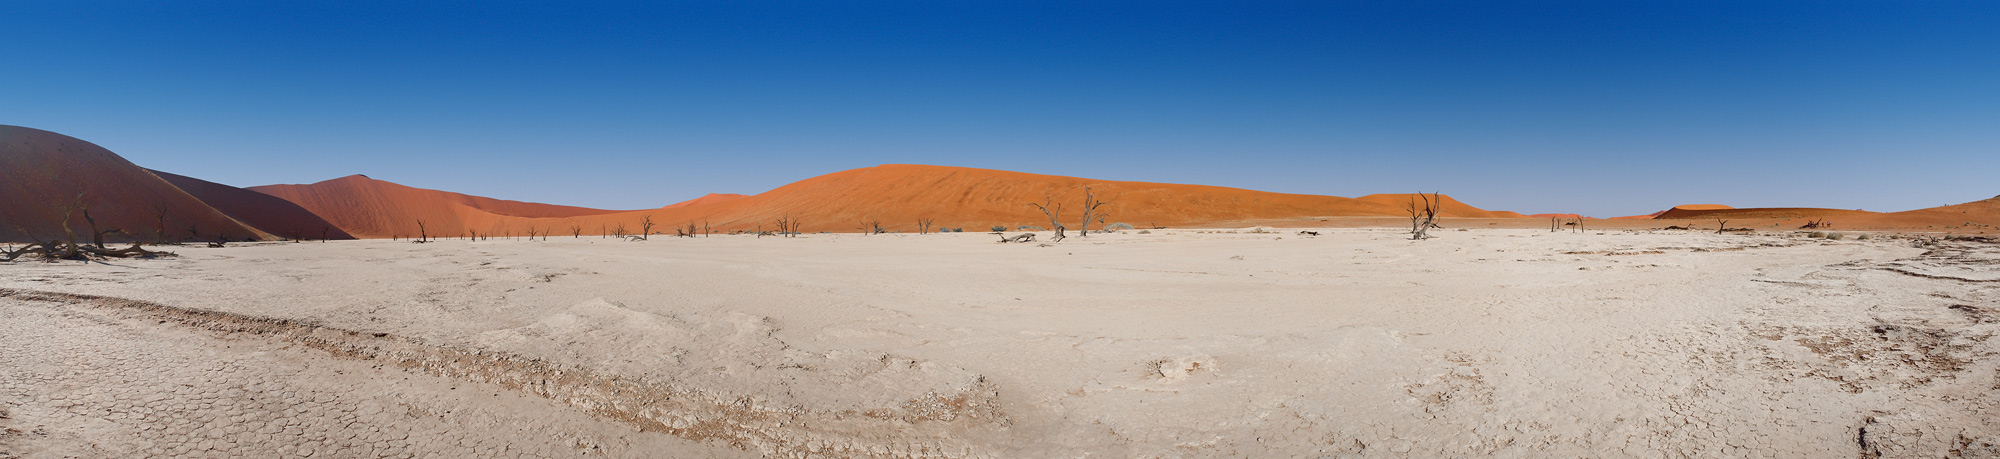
(931, 425)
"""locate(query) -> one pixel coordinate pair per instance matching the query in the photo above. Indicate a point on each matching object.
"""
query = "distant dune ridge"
(1977, 216)
(41, 171)
(265, 212)
(367, 207)
(895, 195)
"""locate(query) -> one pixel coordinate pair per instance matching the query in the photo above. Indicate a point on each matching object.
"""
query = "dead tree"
(160, 217)
(1817, 223)
(924, 226)
(784, 225)
(1090, 204)
(575, 231)
(68, 249)
(1721, 225)
(646, 228)
(1023, 237)
(96, 237)
(423, 234)
(1053, 214)
(1423, 218)
(704, 228)
(619, 231)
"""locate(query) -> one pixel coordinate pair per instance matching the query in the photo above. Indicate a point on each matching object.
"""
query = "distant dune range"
(896, 195)
(43, 171)
(1981, 216)
(271, 214)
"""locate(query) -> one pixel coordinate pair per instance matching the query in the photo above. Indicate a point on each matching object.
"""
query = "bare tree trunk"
(1090, 204)
(1424, 218)
(1052, 214)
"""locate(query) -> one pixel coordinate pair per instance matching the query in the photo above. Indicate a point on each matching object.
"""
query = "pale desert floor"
(1180, 343)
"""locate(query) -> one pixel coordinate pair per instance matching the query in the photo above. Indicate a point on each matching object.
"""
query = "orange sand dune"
(1972, 217)
(1682, 207)
(1981, 216)
(41, 170)
(1758, 212)
(710, 198)
(1452, 208)
(367, 207)
(898, 195)
(895, 195)
(262, 211)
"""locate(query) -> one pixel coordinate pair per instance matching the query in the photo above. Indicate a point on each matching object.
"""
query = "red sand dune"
(1452, 208)
(895, 195)
(262, 211)
(1682, 207)
(367, 207)
(1978, 216)
(710, 198)
(41, 170)
(1758, 212)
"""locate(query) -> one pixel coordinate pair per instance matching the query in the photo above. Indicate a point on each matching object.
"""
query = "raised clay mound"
(42, 171)
(367, 207)
(262, 211)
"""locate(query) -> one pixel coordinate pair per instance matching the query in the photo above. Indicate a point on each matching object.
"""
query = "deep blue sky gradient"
(1604, 108)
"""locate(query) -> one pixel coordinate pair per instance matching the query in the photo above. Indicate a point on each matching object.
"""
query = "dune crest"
(41, 171)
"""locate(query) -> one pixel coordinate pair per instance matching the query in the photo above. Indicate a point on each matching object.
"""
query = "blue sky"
(1604, 108)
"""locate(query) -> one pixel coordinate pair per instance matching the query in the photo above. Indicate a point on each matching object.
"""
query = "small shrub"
(999, 229)
(1863, 237)
(1833, 236)
(1029, 228)
(1118, 226)
(1145, 231)
(1816, 234)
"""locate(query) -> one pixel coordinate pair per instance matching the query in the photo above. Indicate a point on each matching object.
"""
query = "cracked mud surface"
(1355, 343)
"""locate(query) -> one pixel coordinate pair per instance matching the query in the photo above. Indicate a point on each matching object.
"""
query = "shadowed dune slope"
(41, 171)
(895, 195)
(366, 207)
(262, 211)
